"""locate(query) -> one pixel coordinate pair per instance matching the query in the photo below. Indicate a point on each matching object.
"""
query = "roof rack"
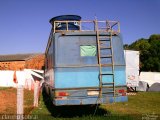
(89, 25)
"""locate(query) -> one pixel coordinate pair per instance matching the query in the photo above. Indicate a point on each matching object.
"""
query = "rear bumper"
(89, 101)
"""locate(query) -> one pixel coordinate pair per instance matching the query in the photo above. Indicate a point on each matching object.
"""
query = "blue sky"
(25, 27)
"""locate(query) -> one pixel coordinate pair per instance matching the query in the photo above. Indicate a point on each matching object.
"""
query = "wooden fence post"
(20, 99)
(36, 92)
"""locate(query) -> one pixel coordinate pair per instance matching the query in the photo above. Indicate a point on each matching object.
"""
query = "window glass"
(88, 50)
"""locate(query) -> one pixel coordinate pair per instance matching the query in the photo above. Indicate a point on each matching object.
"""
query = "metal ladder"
(108, 50)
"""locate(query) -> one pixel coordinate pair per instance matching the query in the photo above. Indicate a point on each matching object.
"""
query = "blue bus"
(84, 62)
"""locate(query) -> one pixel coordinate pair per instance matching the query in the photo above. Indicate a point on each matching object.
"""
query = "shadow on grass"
(73, 111)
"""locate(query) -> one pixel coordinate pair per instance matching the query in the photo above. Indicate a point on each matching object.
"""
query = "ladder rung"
(106, 65)
(103, 47)
(107, 56)
(102, 27)
(107, 74)
(111, 83)
(107, 28)
(104, 37)
(104, 40)
(108, 92)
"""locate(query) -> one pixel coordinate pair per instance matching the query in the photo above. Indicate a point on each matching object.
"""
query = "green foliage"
(149, 52)
(154, 37)
(140, 45)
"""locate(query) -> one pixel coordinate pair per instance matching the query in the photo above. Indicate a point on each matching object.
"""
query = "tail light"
(122, 91)
(61, 94)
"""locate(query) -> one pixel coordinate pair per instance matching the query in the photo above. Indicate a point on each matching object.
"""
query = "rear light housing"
(61, 94)
(121, 92)
(92, 93)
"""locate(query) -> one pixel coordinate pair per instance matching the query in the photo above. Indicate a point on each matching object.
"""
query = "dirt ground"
(8, 101)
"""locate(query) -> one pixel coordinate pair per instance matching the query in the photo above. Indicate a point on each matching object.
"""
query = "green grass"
(28, 101)
(138, 106)
(144, 103)
(49, 112)
(141, 105)
(46, 111)
(5, 88)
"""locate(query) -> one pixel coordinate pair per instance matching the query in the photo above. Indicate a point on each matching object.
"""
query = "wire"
(98, 99)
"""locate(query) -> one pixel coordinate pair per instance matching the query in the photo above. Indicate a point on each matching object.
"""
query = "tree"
(149, 52)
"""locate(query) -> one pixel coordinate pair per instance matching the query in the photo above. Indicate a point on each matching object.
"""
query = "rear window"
(88, 50)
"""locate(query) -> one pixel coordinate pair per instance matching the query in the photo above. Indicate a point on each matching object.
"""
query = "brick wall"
(12, 65)
(36, 62)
